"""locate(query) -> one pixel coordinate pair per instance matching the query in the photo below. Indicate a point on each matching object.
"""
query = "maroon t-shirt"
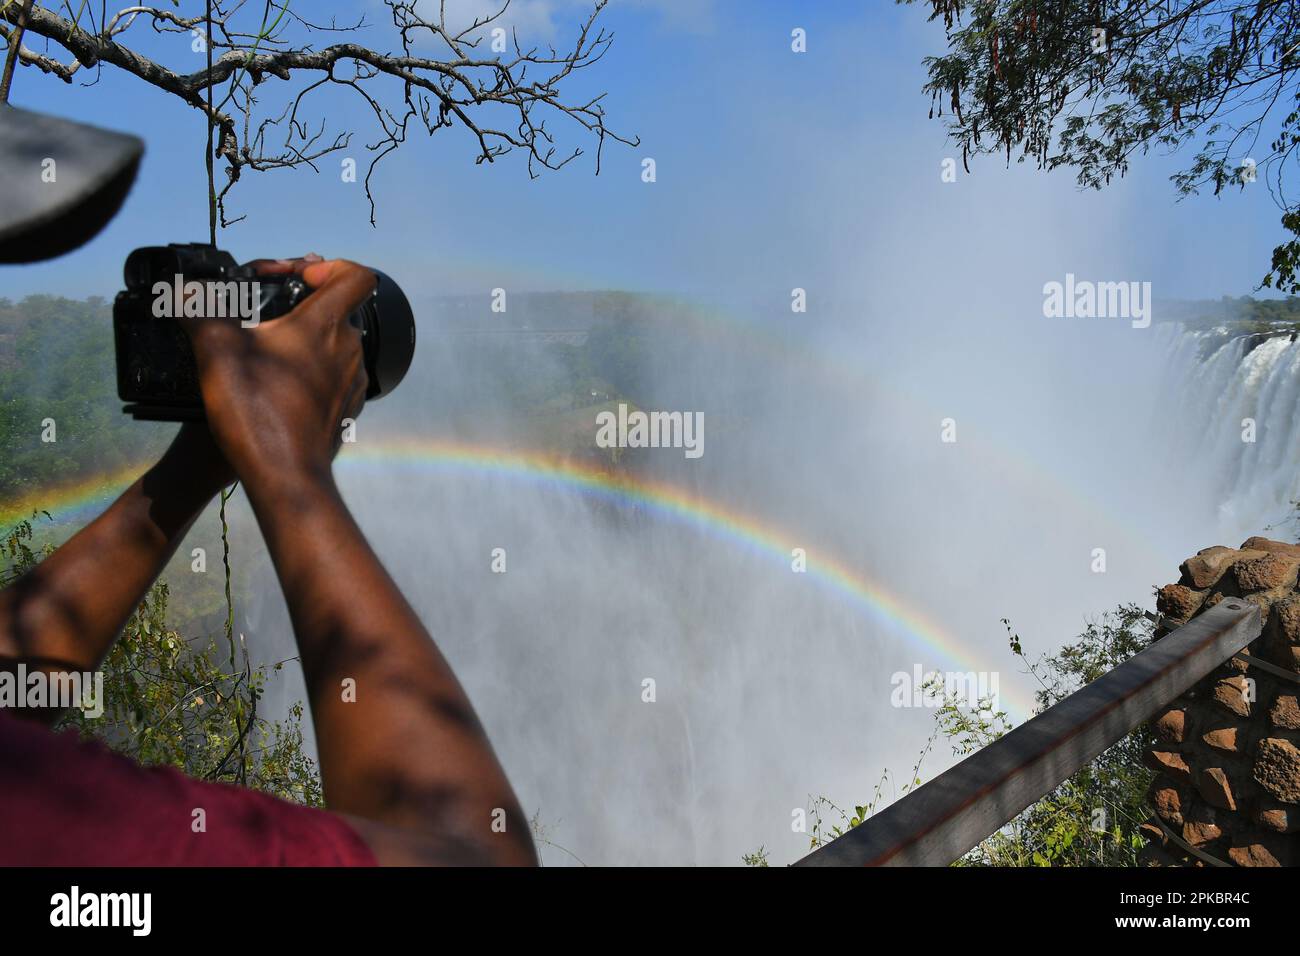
(69, 802)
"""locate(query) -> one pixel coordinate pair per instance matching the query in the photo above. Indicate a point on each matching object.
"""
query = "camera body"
(156, 372)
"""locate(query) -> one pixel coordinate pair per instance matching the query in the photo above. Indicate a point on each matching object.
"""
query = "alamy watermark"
(75, 908)
(638, 429)
(208, 299)
(935, 688)
(1085, 299)
(21, 688)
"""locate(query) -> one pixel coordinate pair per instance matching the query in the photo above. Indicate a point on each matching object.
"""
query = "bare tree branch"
(15, 41)
(490, 95)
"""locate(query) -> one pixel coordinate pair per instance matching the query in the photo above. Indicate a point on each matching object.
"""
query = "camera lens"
(388, 330)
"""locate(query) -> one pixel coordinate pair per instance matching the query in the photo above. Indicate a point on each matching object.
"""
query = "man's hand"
(276, 393)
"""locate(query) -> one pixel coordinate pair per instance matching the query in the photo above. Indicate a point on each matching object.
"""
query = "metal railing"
(939, 821)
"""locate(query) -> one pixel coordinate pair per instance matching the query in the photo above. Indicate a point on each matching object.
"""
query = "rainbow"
(72, 501)
(676, 504)
(79, 500)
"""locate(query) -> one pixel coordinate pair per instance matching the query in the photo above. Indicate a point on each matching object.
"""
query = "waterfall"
(1216, 386)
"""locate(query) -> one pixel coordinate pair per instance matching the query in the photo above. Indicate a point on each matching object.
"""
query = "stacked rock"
(1227, 752)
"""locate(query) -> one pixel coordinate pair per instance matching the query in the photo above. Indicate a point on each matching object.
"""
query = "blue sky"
(774, 170)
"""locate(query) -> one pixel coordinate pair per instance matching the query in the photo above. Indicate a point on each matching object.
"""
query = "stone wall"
(1227, 753)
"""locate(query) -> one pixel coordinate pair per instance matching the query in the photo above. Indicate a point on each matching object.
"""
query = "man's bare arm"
(66, 612)
(402, 753)
(399, 741)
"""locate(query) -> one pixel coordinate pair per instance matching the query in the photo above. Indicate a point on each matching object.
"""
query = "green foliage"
(1239, 315)
(1286, 257)
(174, 702)
(56, 361)
(1090, 85)
(17, 552)
(1092, 818)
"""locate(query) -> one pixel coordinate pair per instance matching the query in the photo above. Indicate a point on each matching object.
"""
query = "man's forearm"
(399, 741)
(67, 611)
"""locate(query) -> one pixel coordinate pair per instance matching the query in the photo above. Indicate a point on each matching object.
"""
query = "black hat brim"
(60, 182)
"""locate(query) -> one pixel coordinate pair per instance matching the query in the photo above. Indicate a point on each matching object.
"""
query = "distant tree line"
(57, 382)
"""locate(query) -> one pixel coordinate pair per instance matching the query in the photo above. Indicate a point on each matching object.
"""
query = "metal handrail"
(941, 820)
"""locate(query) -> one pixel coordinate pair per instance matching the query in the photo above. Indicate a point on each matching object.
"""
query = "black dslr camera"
(156, 374)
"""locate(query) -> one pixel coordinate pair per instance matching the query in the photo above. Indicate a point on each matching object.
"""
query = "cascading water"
(1235, 399)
